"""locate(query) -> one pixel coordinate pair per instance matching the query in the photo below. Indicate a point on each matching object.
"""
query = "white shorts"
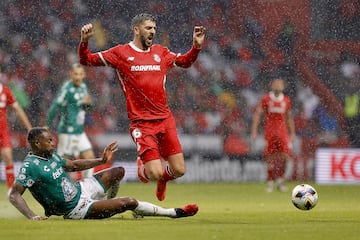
(73, 144)
(91, 191)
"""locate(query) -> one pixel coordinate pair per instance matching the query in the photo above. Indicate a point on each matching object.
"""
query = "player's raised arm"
(85, 56)
(19, 202)
(86, 32)
(187, 59)
(198, 36)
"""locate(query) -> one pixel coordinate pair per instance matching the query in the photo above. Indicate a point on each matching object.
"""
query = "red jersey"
(6, 99)
(141, 74)
(276, 109)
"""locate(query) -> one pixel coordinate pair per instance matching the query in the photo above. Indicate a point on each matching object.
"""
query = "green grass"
(227, 211)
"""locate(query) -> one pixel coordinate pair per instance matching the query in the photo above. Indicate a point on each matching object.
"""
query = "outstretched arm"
(190, 57)
(22, 116)
(85, 56)
(19, 202)
(84, 164)
(199, 36)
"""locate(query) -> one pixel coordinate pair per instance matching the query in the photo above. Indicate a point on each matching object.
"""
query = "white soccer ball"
(304, 197)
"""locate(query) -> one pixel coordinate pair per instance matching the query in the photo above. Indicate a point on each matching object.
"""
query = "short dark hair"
(140, 18)
(35, 133)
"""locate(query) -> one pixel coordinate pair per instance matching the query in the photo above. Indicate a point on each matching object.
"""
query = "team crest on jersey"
(157, 58)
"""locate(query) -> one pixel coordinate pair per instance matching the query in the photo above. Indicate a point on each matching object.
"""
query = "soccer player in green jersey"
(43, 173)
(72, 102)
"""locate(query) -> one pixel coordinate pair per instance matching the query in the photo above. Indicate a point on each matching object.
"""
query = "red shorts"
(156, 138)
(277, 145)
(5, 139)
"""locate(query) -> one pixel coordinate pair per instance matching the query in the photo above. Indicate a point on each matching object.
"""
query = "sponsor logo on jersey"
(57, 173)
(53, 165)
(22, 177)
(30, 182)
(278, 107)
(144, 68)
(130, 59)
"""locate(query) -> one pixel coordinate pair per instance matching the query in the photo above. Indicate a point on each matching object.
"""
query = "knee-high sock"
(168, 174)
(149, 209)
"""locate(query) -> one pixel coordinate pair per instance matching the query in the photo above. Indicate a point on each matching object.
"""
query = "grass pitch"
(227, 211)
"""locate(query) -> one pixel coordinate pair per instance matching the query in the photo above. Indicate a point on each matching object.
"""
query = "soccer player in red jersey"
(276, 107)
(7, 99)
(141, 67)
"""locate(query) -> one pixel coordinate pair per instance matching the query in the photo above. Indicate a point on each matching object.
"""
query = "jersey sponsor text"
(144, 68)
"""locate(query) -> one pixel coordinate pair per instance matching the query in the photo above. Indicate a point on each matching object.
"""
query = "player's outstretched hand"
(109, 151)
(37, 218)
(86, 32)
(198, 36)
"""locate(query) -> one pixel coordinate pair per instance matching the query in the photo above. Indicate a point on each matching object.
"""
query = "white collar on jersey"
(132, 45)
(276, 98)
(1, 87)
(31, 154)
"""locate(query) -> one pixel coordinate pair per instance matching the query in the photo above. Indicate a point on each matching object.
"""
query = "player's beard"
(146, 42)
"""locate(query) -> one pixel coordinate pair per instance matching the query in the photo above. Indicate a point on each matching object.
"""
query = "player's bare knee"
(179, 172)
(154, 175)
(119, 172)
(131, 203)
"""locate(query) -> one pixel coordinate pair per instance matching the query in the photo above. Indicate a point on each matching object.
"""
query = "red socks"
(10, 177)
(168, 174)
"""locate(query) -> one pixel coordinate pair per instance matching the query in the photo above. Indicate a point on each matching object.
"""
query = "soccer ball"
(304, 197)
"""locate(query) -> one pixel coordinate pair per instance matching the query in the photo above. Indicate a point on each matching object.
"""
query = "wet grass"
(227, 211)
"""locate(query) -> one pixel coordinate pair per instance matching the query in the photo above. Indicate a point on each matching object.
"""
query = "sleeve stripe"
(102, 58)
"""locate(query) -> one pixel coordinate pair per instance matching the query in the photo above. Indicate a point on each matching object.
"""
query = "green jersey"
(69, 102)
(49, 184)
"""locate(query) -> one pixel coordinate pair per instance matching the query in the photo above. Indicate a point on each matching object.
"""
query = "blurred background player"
(141, 68)
(72, 102)
(7, 99)
(278, 119)
(44, 174)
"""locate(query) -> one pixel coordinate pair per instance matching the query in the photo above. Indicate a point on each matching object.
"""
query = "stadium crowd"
(215, 96)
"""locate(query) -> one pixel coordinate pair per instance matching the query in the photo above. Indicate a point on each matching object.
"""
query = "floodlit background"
(314, 45)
